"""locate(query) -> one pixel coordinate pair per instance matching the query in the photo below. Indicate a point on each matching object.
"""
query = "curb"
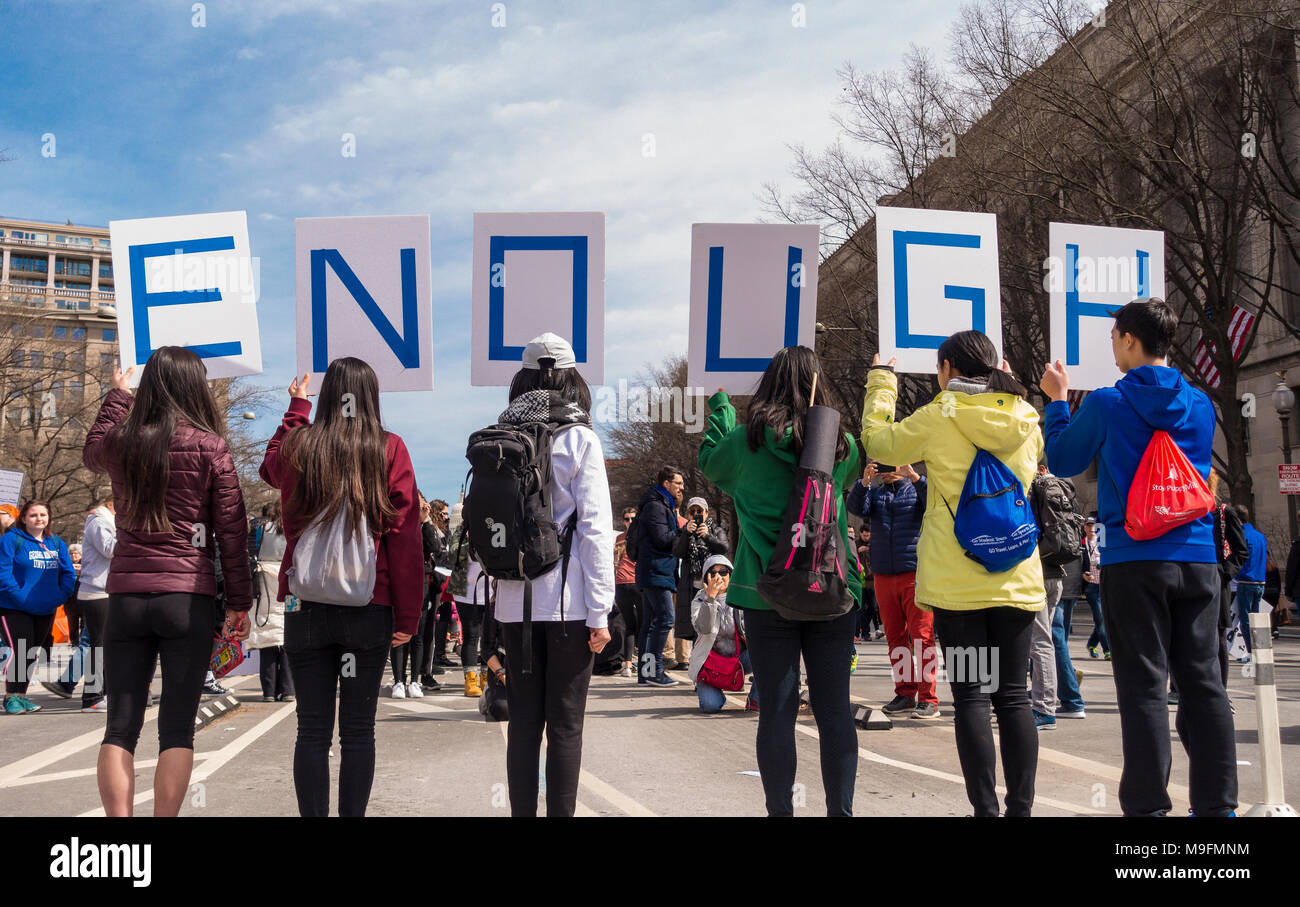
(212, 709)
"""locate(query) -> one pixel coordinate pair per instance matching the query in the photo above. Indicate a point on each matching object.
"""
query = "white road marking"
(614, 796)
(83, 772)
(222, 756)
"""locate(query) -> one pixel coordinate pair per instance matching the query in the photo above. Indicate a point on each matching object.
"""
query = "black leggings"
(24, 634)
(552, 698)
(178, 626)
(410, 652)
(985, 652)
(775, 645)
(471, 629)
(628, 601)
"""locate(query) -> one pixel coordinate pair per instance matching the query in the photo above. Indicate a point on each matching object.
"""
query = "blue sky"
(155, 117)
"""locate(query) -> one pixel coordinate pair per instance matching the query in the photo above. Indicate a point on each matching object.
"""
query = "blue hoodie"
(1256, 565)
(35, 577)
(1114, 425)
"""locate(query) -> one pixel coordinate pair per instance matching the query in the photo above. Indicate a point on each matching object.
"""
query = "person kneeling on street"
(719, 656)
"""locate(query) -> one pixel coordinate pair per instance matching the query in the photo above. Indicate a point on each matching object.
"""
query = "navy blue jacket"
(656, 565)
(894, 512)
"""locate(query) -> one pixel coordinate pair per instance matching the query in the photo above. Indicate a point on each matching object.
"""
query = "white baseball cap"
(549, 346)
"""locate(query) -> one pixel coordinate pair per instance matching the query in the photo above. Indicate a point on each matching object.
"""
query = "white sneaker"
(414, 690)
(399, 691)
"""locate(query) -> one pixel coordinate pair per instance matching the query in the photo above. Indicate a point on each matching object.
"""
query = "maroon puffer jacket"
(203, 489)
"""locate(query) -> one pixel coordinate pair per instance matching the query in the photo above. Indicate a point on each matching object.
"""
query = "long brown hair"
(174, 386)
(342, 457)
(781, 401)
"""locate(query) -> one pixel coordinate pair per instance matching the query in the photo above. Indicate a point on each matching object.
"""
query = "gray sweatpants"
(1042, 652)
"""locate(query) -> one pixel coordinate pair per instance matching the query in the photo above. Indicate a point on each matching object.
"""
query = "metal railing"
(54, 297)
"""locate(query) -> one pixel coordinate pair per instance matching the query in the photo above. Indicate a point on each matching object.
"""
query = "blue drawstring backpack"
(994, 523)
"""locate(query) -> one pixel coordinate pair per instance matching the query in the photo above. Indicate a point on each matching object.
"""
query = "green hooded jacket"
(760, 483)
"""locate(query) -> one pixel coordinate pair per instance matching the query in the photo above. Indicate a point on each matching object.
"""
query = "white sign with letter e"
(187, 281)
(1092, 273)
(753, 292)
(535, 273)
(937, 274)
(365, 289)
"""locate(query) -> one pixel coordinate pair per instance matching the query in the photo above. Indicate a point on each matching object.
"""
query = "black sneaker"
(59, 688)
(925, 711)
(664, 681)
(445, 662)
(212, 688)
(900, 704)
(430, 685)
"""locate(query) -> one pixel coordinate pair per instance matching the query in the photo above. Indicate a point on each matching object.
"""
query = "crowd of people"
(351, 573)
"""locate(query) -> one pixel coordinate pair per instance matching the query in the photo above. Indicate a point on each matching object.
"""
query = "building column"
(4, 268)
(94, 276)
(49, 272)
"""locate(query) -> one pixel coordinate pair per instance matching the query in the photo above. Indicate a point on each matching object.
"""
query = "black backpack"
(805, 577)
(508, 516)
(1060, 523)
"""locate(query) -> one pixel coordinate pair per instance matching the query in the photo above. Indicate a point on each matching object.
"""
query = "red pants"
(906, 625)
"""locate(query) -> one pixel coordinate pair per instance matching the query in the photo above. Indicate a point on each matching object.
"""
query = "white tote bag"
(333, 566)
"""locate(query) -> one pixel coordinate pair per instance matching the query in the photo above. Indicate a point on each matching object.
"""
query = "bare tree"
(1173, 115)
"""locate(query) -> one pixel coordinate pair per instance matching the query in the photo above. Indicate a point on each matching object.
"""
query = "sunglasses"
(720, 571)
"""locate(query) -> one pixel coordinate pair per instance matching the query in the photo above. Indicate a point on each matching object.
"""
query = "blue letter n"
(406, 346)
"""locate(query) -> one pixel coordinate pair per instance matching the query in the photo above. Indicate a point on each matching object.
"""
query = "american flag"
(1238, 329)
(1075, 399)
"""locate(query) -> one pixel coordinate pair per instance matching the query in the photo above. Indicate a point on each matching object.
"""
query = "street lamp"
(1284, 402)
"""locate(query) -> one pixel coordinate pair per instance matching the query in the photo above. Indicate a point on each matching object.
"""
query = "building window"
(75, 268)
(61, 333)
(106, 271)
(110, 334)
(35, 360)
(16, 329)
(60, 361)
(37, 331)
(107, 362)
(78, 333)
(29, 263)
(18, 358)
(105, 244)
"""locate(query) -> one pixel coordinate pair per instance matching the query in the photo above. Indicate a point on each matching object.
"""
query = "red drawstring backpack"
(1167, 491)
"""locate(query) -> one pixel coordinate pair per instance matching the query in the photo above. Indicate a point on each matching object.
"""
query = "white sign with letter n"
(365, 289)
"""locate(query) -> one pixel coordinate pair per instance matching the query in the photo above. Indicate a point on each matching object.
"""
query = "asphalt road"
(647, 752)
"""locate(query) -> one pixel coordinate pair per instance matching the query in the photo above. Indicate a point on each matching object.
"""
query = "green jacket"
(760, 485)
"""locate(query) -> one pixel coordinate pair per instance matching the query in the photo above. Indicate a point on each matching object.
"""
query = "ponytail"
(972, 355)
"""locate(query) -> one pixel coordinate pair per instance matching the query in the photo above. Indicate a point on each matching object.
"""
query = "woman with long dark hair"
(755, 463)
(36, 576)
(178, 507)
(566, 634)
(984, 619)
(348, 488)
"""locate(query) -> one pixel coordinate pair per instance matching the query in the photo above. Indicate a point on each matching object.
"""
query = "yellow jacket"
(946, 433)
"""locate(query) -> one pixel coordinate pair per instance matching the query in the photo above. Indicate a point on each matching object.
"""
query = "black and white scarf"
(543, 406)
